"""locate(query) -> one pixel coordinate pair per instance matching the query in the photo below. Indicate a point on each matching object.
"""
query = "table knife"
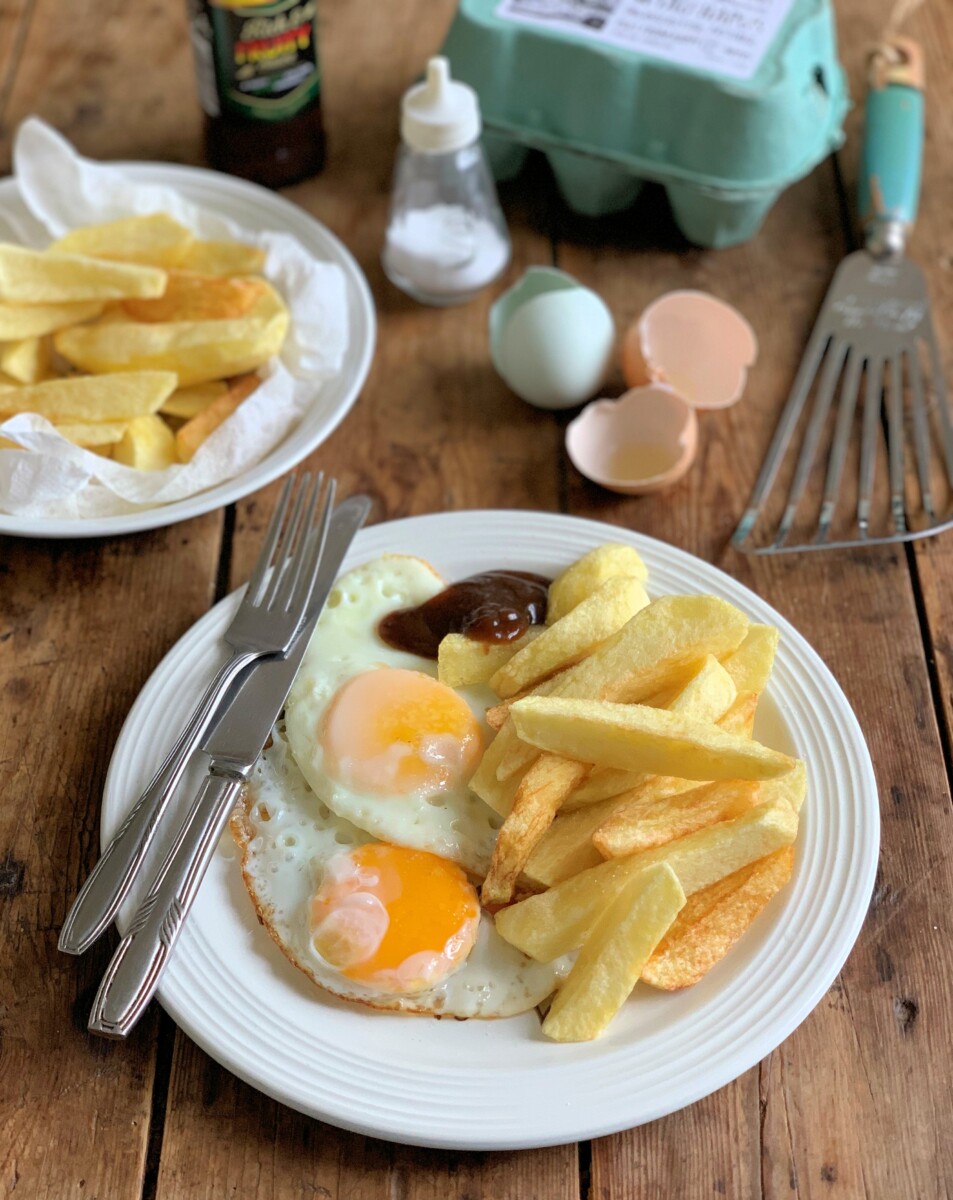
(233, 745)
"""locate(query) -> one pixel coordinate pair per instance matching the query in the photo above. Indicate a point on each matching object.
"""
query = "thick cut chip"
(792, 787)
(464, 662)
(567, 847)
(575, 635)
(155, 240)
(189, 297)
(198, 351)
(750, 665)
(42, 277)
(27, 361)
(739, 719)
(537, 800)
(558, 921)
(588, 574)
(90, 398)
(642, 825)
(707, 696)
(92, 434)
(714, 919)
(222, 258)
(614, 955)
(634, 736)
(194, 432)
(18, 321)
(486, 783)
(186, 403)
(148, 444)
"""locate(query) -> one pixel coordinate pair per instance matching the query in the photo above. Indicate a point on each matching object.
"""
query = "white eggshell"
(554, 350)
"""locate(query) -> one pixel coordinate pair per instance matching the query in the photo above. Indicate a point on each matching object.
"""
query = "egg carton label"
(728, 37)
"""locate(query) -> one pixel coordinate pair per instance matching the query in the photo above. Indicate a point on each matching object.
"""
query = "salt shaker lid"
(439, 115)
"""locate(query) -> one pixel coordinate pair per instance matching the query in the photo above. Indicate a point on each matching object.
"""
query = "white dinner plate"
(258, 209)
(500, 1084)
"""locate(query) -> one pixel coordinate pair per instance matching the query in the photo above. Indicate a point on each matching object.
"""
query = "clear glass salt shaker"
(446, 234)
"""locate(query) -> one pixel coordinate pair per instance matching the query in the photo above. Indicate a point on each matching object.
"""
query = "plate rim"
(755, 1049)
(230, 490)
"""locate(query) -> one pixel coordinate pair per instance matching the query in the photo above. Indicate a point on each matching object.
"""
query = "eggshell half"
(551, 339)
(642, 442)
(700, 346)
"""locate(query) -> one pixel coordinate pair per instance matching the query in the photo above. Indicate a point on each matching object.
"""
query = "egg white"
(287, 835)
(455, 823)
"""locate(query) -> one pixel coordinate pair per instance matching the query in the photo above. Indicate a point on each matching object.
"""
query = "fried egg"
(389, 926)
(379, 739)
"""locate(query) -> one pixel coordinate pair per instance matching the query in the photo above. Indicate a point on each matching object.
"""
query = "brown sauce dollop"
(495, 606)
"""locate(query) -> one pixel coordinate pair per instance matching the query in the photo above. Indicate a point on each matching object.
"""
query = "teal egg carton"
(723, 102)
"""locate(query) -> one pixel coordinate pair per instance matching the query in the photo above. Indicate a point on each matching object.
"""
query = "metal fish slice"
(872, 336)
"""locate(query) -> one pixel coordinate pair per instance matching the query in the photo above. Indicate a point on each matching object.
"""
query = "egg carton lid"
(738, 96)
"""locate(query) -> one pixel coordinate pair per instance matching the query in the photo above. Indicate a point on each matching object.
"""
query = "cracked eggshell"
(696, 344)
(643, 442)
(551, 339)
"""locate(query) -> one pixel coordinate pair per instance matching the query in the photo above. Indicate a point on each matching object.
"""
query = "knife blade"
(233, 744)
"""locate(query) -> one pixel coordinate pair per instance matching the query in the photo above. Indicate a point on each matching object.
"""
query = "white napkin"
(62, 191)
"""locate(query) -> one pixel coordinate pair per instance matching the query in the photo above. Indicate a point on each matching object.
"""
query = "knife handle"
(108, 884)
(133, 975)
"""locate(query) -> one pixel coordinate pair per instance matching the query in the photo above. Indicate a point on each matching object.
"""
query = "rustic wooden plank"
(82, 625)
(870, 1039)
(434, 430)
(14, 22)
(116, 79)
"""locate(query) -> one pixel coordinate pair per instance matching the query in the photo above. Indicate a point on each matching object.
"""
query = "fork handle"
(133, 975)
(892, 155)
(108, 884)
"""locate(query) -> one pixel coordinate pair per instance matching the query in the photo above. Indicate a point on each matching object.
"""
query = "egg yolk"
(394, 732)
(397, 920)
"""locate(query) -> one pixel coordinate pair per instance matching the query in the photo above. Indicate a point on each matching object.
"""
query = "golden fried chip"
(43, 277)
(186, 403)
(27, 361)
(147, 444)
(714, 919)
(463, 661)
(537, 801)
(155, 240)
(588, 574)
(557, 921)
(634, 736)
(644, 824)
(90, 398)
(614, 955)
(189, 297)
(18, 321)
(570, 639)
(222, 258)
(194, 432)
(92, 434)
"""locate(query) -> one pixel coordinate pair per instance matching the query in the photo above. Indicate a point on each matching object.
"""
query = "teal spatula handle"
(892, 156)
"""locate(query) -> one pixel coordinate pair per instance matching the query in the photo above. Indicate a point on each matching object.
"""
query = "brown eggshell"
(699, 346)
(642, 442)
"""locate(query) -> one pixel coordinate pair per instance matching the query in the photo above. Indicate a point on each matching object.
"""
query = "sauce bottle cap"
(439, 115)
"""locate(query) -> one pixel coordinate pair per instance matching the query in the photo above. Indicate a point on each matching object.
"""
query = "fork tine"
(822, 406)
(921, 431)
(300, 551)
(311, 563)
(873, 397)
(800, 390)
(942, 400)
(838, 453)
(895, 442)
(287, 544)
(268, 545)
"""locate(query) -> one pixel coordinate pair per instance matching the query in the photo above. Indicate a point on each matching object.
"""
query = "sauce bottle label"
(255, 60)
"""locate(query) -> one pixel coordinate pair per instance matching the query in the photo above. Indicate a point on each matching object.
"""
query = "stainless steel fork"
(269, 617)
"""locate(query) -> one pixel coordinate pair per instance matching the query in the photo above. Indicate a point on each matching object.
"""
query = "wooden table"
(858, 1101)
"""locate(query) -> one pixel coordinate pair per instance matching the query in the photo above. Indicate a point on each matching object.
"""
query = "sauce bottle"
(260, 87)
